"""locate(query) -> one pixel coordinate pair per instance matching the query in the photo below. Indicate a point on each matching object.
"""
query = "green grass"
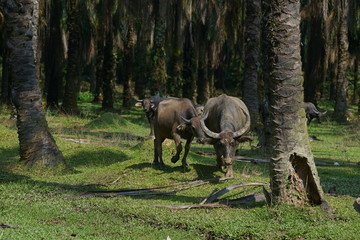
(102, 147)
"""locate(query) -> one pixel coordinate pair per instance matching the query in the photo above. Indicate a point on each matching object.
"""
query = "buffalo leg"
(151, 128)
(187, 148)
(229, 171)
(229, 167)
(177, 140)
(158, 153)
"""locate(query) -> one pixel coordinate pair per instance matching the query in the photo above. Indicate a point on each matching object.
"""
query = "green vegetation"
(109, 151)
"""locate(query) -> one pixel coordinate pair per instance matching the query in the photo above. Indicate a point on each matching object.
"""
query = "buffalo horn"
(187, 121)
(206, 130)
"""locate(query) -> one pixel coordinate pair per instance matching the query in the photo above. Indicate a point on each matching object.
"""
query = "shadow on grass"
(345, 178)
(97, 158)
(81, 158)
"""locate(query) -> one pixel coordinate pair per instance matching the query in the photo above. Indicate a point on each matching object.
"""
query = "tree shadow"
(345, 178)
(100, 134)
(97, 158)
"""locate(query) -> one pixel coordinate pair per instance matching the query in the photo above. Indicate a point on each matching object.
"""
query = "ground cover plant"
(112, 151)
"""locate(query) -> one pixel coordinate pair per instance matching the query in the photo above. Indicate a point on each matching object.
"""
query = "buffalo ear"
(210, 141)
(244, 139)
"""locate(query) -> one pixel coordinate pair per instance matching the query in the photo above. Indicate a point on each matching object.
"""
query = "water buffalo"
(150, 104)
(175, 119)
(225, 120)
(312, 112)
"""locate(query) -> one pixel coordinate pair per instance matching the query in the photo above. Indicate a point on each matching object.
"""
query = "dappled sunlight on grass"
(112, 151)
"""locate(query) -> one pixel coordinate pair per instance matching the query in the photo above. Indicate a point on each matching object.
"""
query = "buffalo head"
(193, 126)
(226, 142)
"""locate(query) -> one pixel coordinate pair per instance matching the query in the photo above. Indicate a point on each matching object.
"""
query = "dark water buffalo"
(312, 112)
(225, 120)
(150, 104)
(175, 119)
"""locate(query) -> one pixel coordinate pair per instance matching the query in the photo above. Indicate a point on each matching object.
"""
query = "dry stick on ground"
(205, 200)
(223, 191)
(7, 226)
(150, 191)
(256, 160)
(208, 201)
(242, 200)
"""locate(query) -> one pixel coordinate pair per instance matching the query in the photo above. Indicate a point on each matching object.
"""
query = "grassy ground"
(109, 151)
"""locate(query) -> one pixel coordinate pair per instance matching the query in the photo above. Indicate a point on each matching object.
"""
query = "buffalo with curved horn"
(226, 119)
(312, 112)
(175, 118)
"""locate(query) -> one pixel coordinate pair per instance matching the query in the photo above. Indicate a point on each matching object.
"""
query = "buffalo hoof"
(185, 164)
(174, 159)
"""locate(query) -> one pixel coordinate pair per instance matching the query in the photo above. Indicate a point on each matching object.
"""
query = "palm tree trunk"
(340, 108)
(109, 64)
(108, 85)
(176, 81)
(5, 81)
(128, 91)
(72, 85)
(252, 60)
(190, 64)
(37, 146)
(294, 178)
(54, 55)
(158, 55)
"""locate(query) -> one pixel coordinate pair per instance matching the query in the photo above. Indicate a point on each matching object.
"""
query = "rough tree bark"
(37, 146)
(294, 178)
(340, 108)
(128, 92)
(252, 61)
(176, 82)
(158, 51)
(54, 53)
(72, 85)
(109, 63)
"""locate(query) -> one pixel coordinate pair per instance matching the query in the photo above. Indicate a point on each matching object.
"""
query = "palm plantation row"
(209, 46)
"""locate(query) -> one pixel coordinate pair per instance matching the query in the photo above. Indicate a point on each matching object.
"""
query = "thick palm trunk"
(342, 82)
(190, 65)
(203, 89)
(54, 56)
(109, 65)
(252, 60)
(99, 65)
(72, 85)
(128, 91)
(176, 81)
(294, 178)
(5, 81)
(158, 55)
(313, 77)
(37, 146)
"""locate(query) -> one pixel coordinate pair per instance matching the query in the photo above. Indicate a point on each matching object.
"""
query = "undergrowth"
(112, 151)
